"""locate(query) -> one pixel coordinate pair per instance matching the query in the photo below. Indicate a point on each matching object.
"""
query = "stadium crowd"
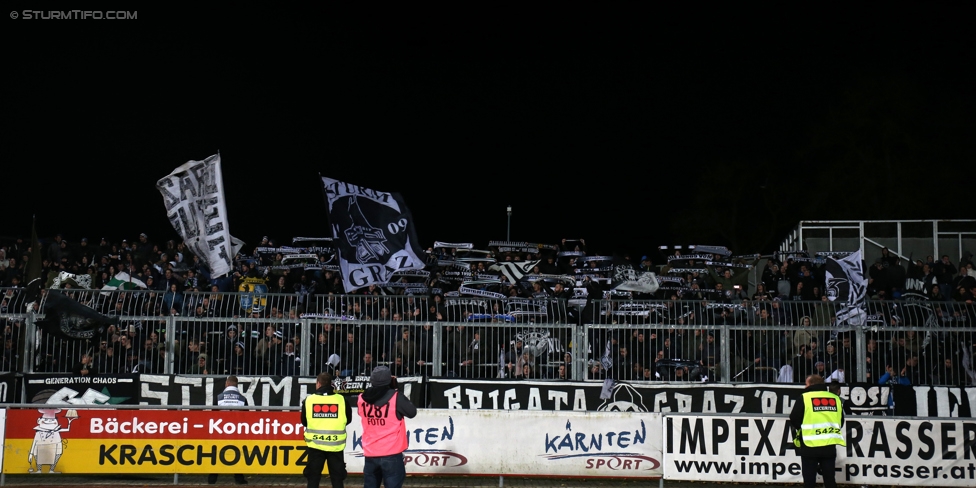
(780, 322)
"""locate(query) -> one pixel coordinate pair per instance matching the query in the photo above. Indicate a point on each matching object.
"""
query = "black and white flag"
(373, 231)
(846, 283)
(514, 271)
(626, 278)
(606, 360)
(67, 319)
(194, 198)
(501, 362)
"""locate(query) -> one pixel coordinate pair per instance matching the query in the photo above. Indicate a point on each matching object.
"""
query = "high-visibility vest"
(822, 415)
(383, 433)
(326, 418)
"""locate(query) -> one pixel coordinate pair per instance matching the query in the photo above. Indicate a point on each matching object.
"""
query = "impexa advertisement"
(879, 451)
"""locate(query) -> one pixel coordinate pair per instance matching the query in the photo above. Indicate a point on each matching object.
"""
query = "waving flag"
(373, 232)
(846, 283)
(74, 280)
(967, 363)
(626, 278)
(514, 271)
(122, 281)
(194, 198)
(67, 319)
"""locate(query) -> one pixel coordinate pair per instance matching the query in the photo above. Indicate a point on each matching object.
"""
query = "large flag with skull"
(847, 284)
(373, 231)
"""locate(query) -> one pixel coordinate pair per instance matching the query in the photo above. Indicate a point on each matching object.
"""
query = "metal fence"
(290, 334)
(779, 341)
(473, 337)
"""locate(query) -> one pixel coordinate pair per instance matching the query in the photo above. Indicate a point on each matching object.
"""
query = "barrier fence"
(486, 338)
(757, 448)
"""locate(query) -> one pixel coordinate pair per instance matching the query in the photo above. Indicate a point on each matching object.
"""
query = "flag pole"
(508, 228)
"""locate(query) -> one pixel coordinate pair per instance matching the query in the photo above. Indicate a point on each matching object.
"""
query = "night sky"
(630, 130)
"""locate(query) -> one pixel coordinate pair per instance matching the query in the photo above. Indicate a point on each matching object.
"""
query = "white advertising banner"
(492, 442)
(880, 451)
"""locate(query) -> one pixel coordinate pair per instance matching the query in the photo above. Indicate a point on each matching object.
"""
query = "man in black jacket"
(819, 420)
(318, 458)
(944, 272)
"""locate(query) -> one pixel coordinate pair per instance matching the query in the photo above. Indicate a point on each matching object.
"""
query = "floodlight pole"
(508, 228)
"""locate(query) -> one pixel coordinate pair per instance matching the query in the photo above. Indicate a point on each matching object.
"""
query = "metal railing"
(290, 334)
(778, 341)
(473, 337)
(905, 238)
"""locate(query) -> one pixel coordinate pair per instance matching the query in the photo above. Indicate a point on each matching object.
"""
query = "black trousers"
(317, 459)
(811, 465)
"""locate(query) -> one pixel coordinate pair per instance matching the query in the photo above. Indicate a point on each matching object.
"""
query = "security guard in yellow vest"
(819, 422)
(325, 415)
